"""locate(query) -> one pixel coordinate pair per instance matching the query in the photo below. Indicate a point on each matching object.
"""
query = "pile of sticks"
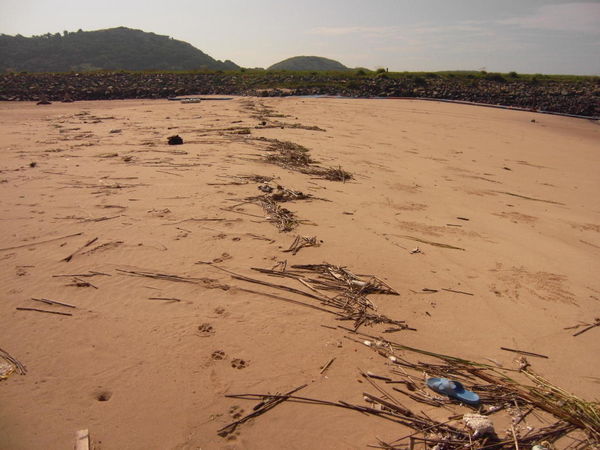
(288, 154)
(296, 157)
(283, 194)
(497, 391)
(350, 301)
(282, 218)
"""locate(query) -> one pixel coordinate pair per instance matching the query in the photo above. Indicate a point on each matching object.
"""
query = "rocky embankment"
(580, 97)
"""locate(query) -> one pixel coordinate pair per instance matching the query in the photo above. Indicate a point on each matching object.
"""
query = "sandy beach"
(486, 222)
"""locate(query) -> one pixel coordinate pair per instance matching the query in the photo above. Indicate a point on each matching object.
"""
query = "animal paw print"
(223, 257)
(238, 363)
(206, 330)
(218, 355)
(236, 412)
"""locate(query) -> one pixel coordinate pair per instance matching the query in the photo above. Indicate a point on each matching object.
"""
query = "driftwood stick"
(172, 299)
(92, 273)
(326, 366)
(382, 391)
(435, 244)
(523, 352)
(457, 292)
(87, 244)
(100, 219)
(44, 311)
(52, 302)
(594, 325)
(40, 242)
(197, 219)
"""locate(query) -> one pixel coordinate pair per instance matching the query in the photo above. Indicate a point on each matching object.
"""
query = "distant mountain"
(308, 63)
(112, 49)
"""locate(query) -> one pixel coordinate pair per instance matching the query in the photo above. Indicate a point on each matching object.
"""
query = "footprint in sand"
(218, 355)
(238, 363)
(206, 330)
(103, 396)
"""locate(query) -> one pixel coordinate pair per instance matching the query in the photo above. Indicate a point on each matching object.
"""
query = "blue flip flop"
(453, 389)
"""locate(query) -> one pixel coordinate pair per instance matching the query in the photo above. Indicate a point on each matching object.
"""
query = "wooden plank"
(82, 440)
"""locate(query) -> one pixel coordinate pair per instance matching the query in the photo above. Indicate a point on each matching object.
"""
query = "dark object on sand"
(175, 140)
(43, 102)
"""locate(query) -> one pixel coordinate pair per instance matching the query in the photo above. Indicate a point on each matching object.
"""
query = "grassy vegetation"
(358, 74)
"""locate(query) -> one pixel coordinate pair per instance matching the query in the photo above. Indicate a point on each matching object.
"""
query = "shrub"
(420, 81)
(495, 77)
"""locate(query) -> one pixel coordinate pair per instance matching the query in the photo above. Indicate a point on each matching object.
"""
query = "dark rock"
(175, 140)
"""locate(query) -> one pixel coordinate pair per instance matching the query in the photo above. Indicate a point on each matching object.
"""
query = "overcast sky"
(528, 36)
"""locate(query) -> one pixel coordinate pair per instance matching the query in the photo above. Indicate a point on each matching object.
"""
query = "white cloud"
(579, 17)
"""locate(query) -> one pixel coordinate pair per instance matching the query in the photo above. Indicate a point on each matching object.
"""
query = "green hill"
(112, 49)
(308, 63)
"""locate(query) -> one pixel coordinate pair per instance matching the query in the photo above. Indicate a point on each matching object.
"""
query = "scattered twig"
(530, 198)
(100, 219)
(300, 242)
(194, 219)
(44, 311)
(587, 327)
(435, 244)
(261, 408)
(326, 366)
(170, 173)
(52, 302)
(523, 352)
(172, 299)
(87, 244)
(457, 292)
(207, 282)
(106, 245)
(91, 273)
(40, 242)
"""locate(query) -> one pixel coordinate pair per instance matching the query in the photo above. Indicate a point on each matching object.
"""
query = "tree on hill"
(112, 49)
(308, 63)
